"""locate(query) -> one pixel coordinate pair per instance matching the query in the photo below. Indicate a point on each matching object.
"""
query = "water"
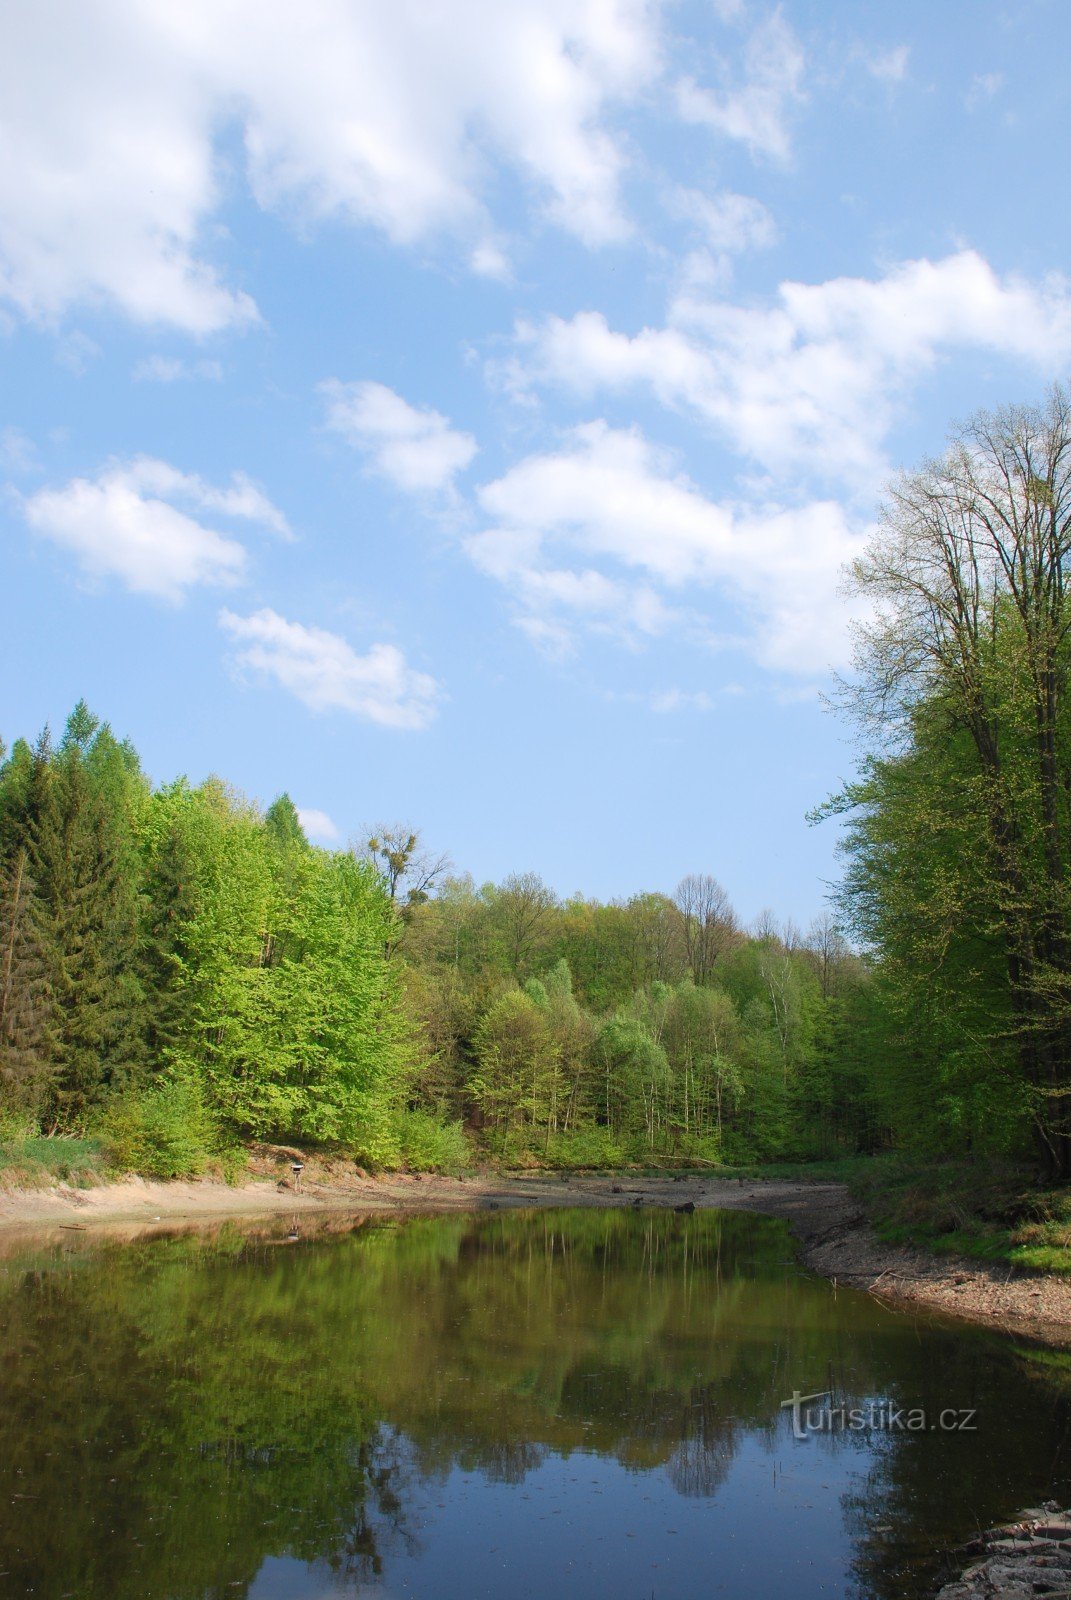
(583, 1405)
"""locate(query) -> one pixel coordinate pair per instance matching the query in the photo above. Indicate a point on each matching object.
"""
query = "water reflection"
(582, 1403)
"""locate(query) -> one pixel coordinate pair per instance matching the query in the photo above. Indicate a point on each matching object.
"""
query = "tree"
(521, 909)
(707, 922)
(829, 951)
(965, 664)
(25, 1001)
(284, 825)
(515, 1080)
(395, 852)
(83, 865)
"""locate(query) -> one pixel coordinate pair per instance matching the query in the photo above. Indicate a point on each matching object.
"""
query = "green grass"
(990, 1210)
(35, 1162)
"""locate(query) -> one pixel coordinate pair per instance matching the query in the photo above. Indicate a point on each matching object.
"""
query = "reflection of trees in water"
(700, 1463)
(379, 1528)
(920, 1496)
(217, 1403)
(507, 1460)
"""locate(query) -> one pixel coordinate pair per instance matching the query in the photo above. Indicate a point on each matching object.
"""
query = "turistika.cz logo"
(816, 1413)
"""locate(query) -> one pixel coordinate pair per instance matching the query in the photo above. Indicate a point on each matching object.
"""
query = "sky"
(461, 413)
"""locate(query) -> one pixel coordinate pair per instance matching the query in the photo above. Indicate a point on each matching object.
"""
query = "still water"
(584, 1405)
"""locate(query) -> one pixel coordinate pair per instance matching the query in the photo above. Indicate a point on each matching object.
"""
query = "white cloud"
(172, 369)
(889, 66)
(398, 116)
(667, 701)
(325, 673)
(757, 111)
(610, 500)
(984, 86)
(128, 523)
(416, 449)
(814, 381)
(106, 166)
(317, 824)
(18, 453)
(730, 222)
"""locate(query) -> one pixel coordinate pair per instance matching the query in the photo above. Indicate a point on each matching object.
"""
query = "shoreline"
(830, 1229)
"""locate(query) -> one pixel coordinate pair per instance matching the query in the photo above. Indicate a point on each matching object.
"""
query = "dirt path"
(830, 1228)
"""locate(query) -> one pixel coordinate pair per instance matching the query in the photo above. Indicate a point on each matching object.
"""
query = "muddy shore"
(830, 1228)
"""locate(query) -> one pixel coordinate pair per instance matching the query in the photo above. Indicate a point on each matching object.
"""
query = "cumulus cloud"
(813, 381)
(106, 167)
(604, 531)
(325, 673)
(133, 522)
(757, 111)
(397, 116)
(416, 448)
(317, 824)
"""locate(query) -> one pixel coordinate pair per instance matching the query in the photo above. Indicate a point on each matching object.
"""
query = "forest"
(182, 972)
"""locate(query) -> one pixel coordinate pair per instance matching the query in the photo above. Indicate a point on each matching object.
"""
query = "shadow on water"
(577, 1403)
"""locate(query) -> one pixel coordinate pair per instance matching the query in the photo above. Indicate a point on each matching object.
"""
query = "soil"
(831, 1230)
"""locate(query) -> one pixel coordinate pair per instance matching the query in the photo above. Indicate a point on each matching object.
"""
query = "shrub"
(585, 1147)
(428, 1145)
(166, 1133)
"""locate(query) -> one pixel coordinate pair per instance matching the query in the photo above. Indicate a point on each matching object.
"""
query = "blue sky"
(460, 413)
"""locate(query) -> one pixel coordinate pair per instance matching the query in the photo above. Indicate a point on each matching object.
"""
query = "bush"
(585, 1147)
(165, 1133)
(428, 1145)
(707, 1151)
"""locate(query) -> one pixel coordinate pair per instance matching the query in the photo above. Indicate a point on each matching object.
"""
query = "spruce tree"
(80, 860)
(284, 825)
(25, 1000)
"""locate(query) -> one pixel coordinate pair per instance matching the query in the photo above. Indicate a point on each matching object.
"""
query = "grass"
(36, 1162)
(987, 1209)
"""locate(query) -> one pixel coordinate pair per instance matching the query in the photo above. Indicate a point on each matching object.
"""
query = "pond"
(578, 1404)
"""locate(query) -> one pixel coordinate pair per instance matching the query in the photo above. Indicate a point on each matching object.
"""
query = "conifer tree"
(80, 861)
(284, 825)
(25, 1059)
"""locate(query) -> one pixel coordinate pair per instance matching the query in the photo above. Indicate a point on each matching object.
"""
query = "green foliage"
(959, 835)
(182, 972)
(595, 1147)
(428, 1145)
(165, 1133)
(176, 968)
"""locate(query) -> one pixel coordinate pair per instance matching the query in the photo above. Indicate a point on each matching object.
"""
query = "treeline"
(180, 972)
(586, 1033)
(958, 847)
